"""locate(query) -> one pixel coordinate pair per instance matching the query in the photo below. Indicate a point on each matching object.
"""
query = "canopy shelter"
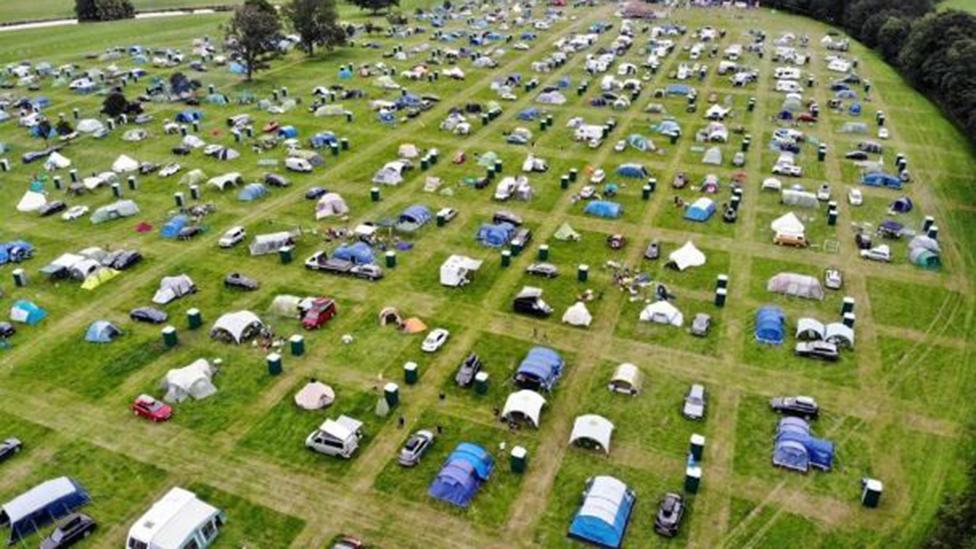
(686, 256)
(193, 381)
(236, 327)
(662, 312)
(102, 331)
(627, 378)
(315, 395)
(524, 405)
(592, 431)
(603, 517)
(796, 285)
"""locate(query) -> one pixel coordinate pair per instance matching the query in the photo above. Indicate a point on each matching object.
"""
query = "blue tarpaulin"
(770, 325)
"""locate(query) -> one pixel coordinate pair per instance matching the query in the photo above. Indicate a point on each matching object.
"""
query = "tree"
(891, 37)
(251, 34)
(85, 10)
(112, 10)
(317, 22)
(375, 6)
(114, 104)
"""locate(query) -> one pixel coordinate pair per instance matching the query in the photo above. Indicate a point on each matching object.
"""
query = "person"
(401, 421)
(440, 430)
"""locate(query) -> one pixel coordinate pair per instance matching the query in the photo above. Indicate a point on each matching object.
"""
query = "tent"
(925, 258)
(795, 448)
(31, 202)
(223, 181)
(540, 369)
(881, 179)
(27, 313)
(809, 329)
(359, 253)
(577, 315)
(42, 504)
(632, 170)
(802, 199)
(173, 287)
(796, 285)
(627, 378)
(770, 325)
(190, 381)
(271, 242)
(603, 517)
(712, 156)
(171, 229)
(566, 233)
(287, 306)
(287, 132)
(56, 161)
(100, 276)
(604, 209)
(189, 115)
(839, 334)
(193, 177)
(330, 204)
(252, 192)
(901, 205)
(686, 256)
(640, 142)
(15, 251)
(524, 405)
(462, 475)
(323, 139)
(124, 164)
(115, 210)
(315, 395)
(700, 210)
(787, 223)
(237, 327)
(662, 312)
(495, 235)
(413, 325)
(593, 431)
(413, 218)
(102, 331)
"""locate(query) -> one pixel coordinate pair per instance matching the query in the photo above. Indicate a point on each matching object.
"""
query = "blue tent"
(770, 325)
(603, 517)
(42, 504)
(881, 179)
(529, 114)
(407, 100)
(495, 236)
(416, 214)
(345, 73)
(902, 205)
(41, 102)
(172, 227)
(540, 369)
(101, 331)
(462, 474)
(359, 253)
(237, 68)
(846, 94)
(323, 139)
(604, 208)
(386, 117)
(27, 312)
(632, 170)
(855, 109)
(252, 192)
(795, 448)
(564, 82)
(700, 210)
(15, 251)
(667, 127)
(678, 89)
(188, 116)
(287, 132)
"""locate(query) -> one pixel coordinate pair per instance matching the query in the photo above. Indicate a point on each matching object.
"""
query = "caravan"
(177, 521)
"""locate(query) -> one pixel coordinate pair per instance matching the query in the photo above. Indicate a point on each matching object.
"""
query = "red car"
(321, 311)
(151, 409)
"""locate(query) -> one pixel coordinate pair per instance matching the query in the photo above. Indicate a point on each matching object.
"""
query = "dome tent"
(192, 381)
(662, 312)
(315, 395)
(102, 331)
(592, 430)
(770, 325)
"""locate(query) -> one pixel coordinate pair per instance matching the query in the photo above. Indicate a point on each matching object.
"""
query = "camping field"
(896, 406)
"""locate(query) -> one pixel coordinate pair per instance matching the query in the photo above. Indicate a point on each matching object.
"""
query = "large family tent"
(592, 431)
(881, 179)
(540, 369)
(359, 253)
(578, 315)
(924, 251)
(662, 312)
(800, 199)
(700, 210)
(115, 210)
(173, 287)
(252, 192)
(770, 325)
(100, 276)
(686, 256)
(604, 209)
(41, 505)
(796, 285)
(627, 378)
(236, 327)
(193, 381)
(330, 204)
(603, 518)
(271, 242)
(27, 312)
(632, 170)
(495, 235)
(413, 218)
(465, 470)
(102, 331)
(795, 448)
(315, 395)
(524, 405)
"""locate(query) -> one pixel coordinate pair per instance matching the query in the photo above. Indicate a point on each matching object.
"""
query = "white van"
(298, 164)
(336, 437)
(787, 73)
(232, 237)
(789, 86)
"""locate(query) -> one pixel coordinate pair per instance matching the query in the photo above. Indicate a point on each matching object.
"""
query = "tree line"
(934, 50)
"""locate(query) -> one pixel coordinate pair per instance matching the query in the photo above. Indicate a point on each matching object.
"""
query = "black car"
(237, 280)
(505, 216)
(468, 369)
(125, 259)
(315, 193)
(7, 330)
(275, 180)
(822, 350)
(856, 155)
(669, 515)
(148, 314)
(186, 233)
(180, 151)
(31, 156)
(10, 447)
(70, 530)
(52, 208)
(798, 406)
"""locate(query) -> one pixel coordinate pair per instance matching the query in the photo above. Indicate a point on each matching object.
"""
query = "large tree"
(85, 10)
(374, 6)
(252, 33)
(103, 10)
(317, 22)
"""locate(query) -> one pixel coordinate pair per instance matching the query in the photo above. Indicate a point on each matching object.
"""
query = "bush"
(104, 10)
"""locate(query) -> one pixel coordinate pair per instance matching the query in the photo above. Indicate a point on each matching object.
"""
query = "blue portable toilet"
(604, 209)
(171, 229)
(770, 325)
(102, 331)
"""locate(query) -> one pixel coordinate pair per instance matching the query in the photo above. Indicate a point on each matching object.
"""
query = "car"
(275, 180)
(616, 241)
(669, 514)
(798, 406)
(506, 216)
(447, 214)
(151, 315)
(189, 232)
(855, 197)
(237, 280)
(69, 531)
(319, 313)
(701, 325)
(823, 192)
(545, 270)
(232, 237)
(833, 280)
(739, 159)
(435, 340)
(52, 208)
(856, 155)
(469, 367)
(315, 193)
(823, 350)
(598, 176)
(694, 406)
(522, 237)
(74, 212)
(368, 272)
(881, 253)
(7, 330)
(151, 409)
(170, 169)
(653, 250)
(883, 133)
(9, 448)
(620, 146)
(415, 448)
(788, 169)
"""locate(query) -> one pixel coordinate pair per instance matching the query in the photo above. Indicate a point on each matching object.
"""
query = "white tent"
(800, 199)
(228, 179)
(172, 287)
(190, 381)
(124, 164)
(458, 270)
(31, 202)
(193, 142)
(796, 285)
(330, 204)
(626, 379)
(288, 306)
(787, 223)
(56, 161)
(662, 312)
(237, 326)
(809, 329)
(686, 256)
(577, 315)
(524, 404)
(408, 150)
(315, 395)
(591, 429)
(839, 334)
(90, 125)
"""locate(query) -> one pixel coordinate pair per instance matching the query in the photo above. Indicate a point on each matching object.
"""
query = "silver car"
(694, 407)
(416, 446)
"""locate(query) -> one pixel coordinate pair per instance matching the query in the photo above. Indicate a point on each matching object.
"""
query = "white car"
(447, 214)
(169, 169)
(232, 237)
(880, 253)
(620, 146)
(598, 177)
(296, 164)
(883, 133)
(833, 280)
(823, 193)
(854, 197)
(788, 169)
(435, 340)
(74, 212)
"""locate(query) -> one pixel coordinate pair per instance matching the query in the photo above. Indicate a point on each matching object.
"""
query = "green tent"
(566, 233)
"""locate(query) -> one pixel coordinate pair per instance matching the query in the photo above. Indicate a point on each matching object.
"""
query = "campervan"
(336, 437)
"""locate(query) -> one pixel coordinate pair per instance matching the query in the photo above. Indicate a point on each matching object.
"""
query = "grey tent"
(796, 285)
(116, 210)
(712, 156)
(190, 381)
(802, 199)
(566, 233)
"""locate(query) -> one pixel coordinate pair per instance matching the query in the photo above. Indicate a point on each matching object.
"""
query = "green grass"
(249, 524)
(917, 307)
(965, 5)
